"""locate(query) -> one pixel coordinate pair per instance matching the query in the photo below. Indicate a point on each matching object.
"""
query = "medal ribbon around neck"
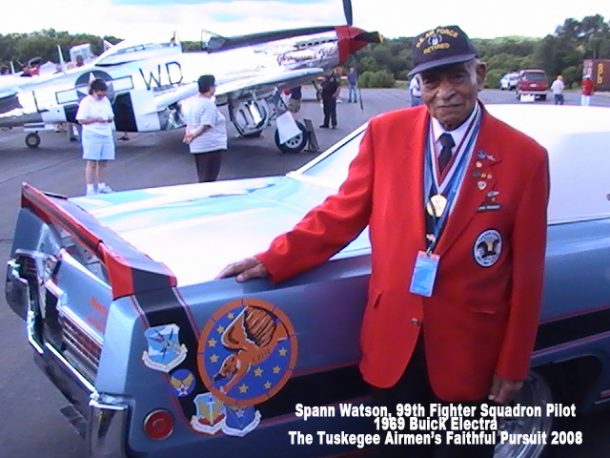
(444, 195)
(462, 149)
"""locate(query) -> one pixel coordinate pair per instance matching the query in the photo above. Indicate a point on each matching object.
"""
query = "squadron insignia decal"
(247, 352)
(210, 414)
(240, 421)
(182, 382)
(213, 415)
(487, 248)
(165, 351)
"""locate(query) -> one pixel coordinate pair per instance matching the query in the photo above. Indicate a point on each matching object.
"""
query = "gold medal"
(436, 205)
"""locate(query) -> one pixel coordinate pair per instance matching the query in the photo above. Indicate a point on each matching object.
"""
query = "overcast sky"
(156, 20)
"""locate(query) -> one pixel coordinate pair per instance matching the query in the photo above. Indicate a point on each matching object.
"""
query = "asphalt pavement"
(31, 425)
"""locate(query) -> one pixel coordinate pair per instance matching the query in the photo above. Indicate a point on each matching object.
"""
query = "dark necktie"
(443, 159)
(445, 156)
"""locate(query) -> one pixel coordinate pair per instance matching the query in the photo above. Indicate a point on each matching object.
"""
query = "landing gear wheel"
(535, 392)
(32, 140)
(295, 144)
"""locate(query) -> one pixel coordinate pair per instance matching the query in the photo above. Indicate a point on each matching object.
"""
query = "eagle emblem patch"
(247, 352)
(487, 248)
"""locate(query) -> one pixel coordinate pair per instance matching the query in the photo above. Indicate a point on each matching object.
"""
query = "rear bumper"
(105, 417)
(533, 92)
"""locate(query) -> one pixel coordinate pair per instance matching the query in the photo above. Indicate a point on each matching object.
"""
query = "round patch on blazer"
(487, 248)
(247, 352)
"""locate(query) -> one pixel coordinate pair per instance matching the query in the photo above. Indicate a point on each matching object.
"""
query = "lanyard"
(452, 183)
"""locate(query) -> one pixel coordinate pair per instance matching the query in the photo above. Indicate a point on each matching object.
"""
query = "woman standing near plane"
(206, 130)
(95, 115)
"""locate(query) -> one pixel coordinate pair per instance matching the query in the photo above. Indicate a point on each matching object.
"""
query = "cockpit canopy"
(126, 52)
(211, 41)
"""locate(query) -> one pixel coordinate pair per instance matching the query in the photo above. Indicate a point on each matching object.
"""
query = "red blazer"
(482, 317)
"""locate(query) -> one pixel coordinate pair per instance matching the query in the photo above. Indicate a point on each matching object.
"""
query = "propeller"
(347, 9)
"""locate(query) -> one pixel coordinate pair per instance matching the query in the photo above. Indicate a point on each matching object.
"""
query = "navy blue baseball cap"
(441, 46)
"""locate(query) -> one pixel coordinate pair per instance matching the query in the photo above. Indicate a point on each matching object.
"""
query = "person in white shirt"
(206, 130)
(96, 116)
(557, 89)
(415, 90)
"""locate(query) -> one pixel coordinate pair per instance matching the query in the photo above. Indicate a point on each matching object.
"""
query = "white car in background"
(509, 81)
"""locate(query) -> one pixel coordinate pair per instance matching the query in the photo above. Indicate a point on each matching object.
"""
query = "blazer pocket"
(374, 299)
(484, 309)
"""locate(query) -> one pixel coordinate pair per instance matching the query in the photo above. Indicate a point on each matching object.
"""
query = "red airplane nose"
(352, 39)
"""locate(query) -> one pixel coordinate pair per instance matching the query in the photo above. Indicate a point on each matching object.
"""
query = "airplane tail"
(62, 63)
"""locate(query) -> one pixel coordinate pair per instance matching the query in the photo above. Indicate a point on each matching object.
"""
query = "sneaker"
(90, 193)
(105, 190)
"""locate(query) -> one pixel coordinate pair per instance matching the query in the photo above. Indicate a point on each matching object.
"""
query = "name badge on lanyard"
(424, 273)
(439, 205)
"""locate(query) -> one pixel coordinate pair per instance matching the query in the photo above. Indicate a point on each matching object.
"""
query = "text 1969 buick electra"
(124, 316)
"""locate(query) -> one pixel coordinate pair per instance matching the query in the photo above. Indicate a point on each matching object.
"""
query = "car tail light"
(159, 424)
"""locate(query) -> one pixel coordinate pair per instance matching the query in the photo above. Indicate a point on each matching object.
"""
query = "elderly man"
(456, 204)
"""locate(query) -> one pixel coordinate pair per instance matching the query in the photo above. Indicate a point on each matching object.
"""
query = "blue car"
(125, 317)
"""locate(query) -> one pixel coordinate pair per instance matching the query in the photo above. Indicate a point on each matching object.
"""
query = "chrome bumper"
(17, 290)
(106, 416)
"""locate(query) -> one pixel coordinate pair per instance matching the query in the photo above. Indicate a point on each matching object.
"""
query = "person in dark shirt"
(294, 102)
(352, 81)
(330, 91)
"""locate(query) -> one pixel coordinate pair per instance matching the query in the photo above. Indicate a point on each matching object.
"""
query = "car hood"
(196, 230)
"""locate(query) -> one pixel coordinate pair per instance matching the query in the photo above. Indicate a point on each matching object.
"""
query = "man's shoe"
(105, 190)
(335, 126)
(322, 126)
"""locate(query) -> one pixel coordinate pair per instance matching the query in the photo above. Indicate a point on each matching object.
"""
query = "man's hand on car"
(244, 270)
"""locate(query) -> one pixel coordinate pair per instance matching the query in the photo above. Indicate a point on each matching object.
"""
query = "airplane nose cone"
(352, 39)
(369, 37)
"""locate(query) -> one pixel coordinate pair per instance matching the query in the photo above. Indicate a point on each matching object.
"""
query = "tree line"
(562, 53)
(21, 47)
(381, 65)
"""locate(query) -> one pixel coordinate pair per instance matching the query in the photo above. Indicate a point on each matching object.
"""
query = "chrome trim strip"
(54, 290)
(31, 330)
(17, 291)
(77, 375)
(571, 343)
(62, 309)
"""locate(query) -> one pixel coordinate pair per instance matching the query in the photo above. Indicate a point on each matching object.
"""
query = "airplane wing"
(285, 78)
(237, 85)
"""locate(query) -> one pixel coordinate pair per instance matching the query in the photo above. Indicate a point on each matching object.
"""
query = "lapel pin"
(479, 164)
(482, 185)
(492, 193)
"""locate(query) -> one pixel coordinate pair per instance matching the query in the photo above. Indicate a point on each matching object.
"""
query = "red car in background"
(532, 82)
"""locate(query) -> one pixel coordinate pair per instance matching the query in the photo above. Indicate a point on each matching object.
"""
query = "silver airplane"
(149, 81)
